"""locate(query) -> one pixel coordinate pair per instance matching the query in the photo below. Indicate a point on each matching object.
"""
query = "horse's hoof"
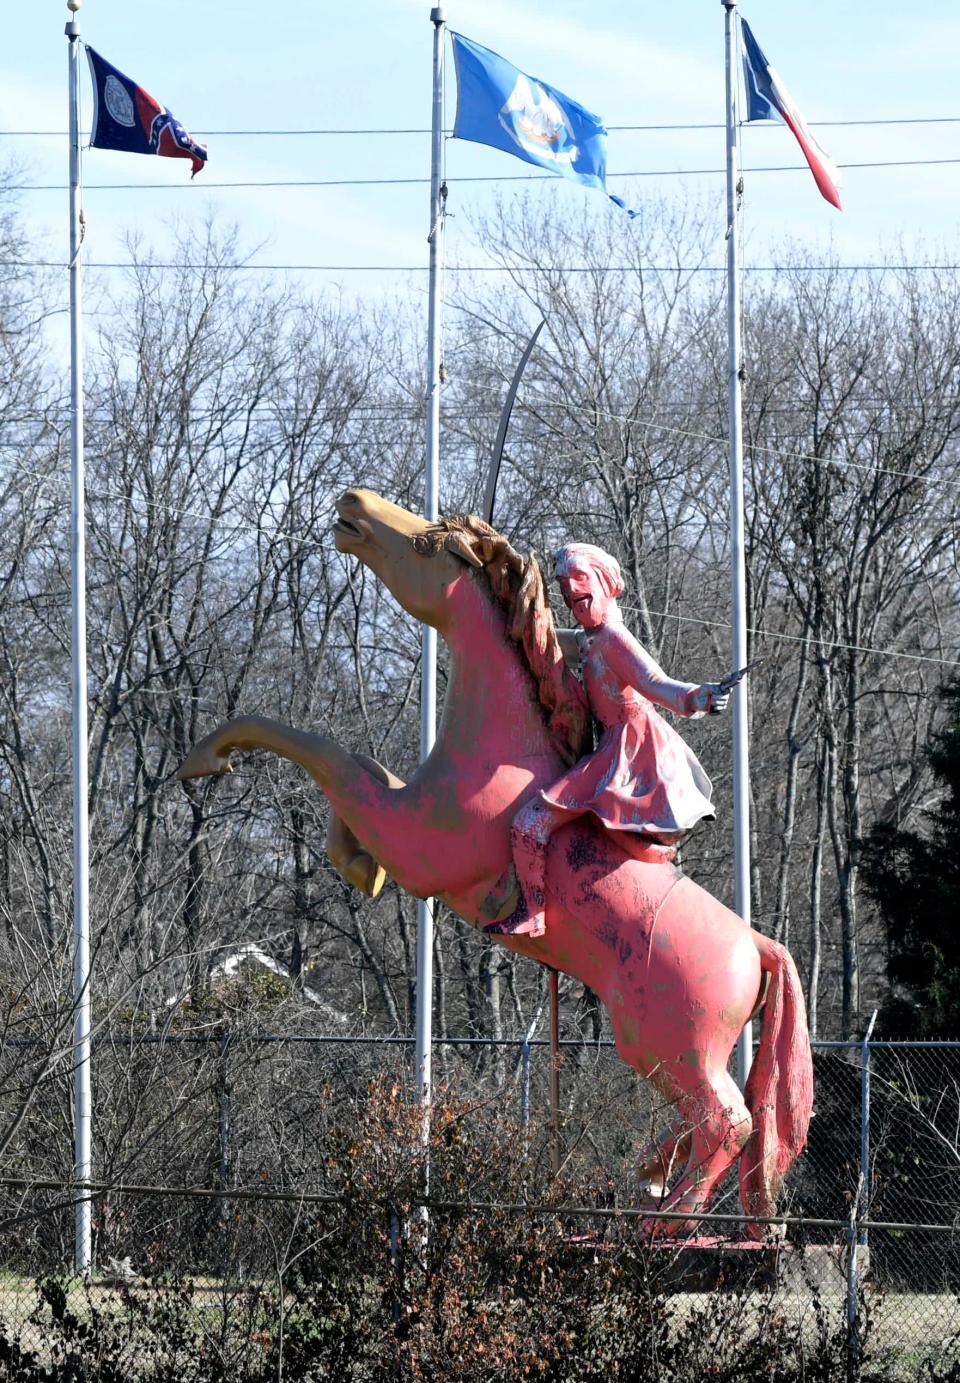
(652, 1195)
(202, 765)
(365, 873)
(670, 1229)
(771, 1235)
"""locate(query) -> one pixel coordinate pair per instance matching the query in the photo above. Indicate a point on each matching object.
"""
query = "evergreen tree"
(914, 876)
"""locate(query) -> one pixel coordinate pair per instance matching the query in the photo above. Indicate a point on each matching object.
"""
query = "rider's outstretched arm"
(630, 662)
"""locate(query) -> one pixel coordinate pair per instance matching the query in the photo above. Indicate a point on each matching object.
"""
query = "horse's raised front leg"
(344, 851)
(354, 783)
(210, 755)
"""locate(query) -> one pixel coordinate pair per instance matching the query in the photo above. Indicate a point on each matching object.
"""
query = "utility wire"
(423, 182)
(252, 266)
(719, 439)
(279, 535)
(540, 401)
(56, 431)
(228, 531)
(118, 495)
(285, 134)
(55, 415)
(798, 638)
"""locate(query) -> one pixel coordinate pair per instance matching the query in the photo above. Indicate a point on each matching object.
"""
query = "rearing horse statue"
(678, 972)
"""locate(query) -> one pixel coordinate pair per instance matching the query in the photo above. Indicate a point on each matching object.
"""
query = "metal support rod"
(82, 1158)
(738, 570)
(555, 1060)
(428, 660)
(864, 1236)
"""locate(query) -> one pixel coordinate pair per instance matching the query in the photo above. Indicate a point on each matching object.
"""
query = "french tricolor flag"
(769, 99)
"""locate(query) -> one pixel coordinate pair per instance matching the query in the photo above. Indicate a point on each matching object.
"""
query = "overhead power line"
(229, 528)
(252, 266)
(422, 182)
(613, 129)
(800, 638)
(533, 400)
(642, 424)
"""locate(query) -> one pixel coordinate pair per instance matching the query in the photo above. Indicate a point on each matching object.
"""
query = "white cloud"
(630, 77)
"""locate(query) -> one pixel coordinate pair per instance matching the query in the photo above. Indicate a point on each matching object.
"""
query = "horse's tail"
(779, 1091)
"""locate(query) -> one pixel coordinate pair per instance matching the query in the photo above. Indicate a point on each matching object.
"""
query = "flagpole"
(82, 1163)
(428, 659)
(738, 570)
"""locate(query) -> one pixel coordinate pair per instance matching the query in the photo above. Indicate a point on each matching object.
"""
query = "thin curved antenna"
(490, 496)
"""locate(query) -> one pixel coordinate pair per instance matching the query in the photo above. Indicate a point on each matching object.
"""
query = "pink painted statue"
(641, 777)
(678, 972)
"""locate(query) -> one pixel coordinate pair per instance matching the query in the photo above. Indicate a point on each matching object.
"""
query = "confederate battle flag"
(128, 118)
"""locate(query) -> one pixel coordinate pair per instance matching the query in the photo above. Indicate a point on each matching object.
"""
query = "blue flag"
(499, 105)
(127, 118)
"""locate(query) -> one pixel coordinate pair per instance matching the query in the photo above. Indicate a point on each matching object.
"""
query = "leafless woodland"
(226, 410)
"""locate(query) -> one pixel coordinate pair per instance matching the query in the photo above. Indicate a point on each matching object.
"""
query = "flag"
(499, 105)
(769, 99)
(128, 118)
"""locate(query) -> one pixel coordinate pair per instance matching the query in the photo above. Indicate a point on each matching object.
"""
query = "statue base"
(710, 1265)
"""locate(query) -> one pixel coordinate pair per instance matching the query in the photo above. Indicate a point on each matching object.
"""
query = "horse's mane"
(517, 583)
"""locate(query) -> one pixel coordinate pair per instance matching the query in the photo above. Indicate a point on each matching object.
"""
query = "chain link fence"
(221, 1212)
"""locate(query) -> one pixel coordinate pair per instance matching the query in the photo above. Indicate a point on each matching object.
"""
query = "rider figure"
(642, 777)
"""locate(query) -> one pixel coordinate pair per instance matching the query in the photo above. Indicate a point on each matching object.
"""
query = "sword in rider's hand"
(489, 500)
(726, 684)
(493, 473)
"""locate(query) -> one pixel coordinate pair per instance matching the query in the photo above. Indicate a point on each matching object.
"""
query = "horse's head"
(418, 561)
(382, 536)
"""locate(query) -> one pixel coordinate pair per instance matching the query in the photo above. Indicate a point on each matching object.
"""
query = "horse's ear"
(459, 544)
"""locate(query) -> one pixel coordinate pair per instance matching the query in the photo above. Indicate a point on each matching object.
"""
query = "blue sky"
(294, 66)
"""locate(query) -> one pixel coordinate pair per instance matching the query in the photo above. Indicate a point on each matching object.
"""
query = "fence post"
(853, 1292)
(395, 1266)
(223, 1112)
(863, 1195)
(224, 1150)
(525, 1084)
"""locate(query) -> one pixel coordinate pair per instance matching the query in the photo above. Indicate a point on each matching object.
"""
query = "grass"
(904, 1328)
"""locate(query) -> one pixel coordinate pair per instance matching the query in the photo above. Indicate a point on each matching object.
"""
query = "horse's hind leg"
(660, 1161)
(713, 1109)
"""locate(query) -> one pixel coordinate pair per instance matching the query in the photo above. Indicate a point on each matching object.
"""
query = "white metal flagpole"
(428, 660)
(738, 569)
(82, 1164)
